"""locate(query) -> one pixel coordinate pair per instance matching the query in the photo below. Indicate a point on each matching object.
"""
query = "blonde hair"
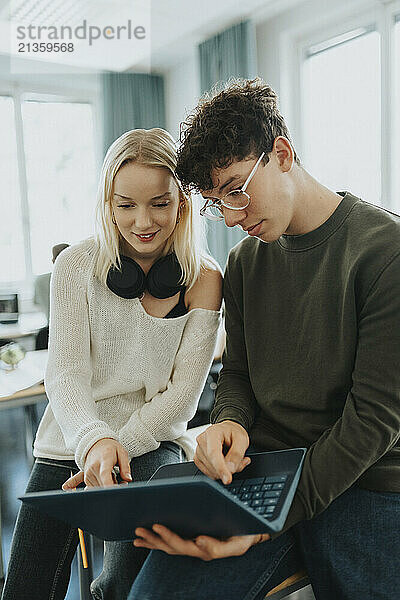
(152, 148)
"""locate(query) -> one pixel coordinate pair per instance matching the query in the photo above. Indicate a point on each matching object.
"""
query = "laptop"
(9, 312)
(183, 499)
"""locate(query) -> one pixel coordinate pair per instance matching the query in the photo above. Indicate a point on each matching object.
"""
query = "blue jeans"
(351, 551)
(43, 548)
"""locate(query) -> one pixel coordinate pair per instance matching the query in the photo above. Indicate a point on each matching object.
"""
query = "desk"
(23, 387)
(28, 325)
(29, 372)
(27, 399)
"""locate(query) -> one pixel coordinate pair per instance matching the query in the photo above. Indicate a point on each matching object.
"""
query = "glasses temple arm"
(246, 183)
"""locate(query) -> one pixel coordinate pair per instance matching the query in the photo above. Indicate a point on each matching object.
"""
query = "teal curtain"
(131, 101)
(231, 53)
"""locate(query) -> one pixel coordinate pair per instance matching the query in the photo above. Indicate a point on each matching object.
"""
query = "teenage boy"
(312, 300)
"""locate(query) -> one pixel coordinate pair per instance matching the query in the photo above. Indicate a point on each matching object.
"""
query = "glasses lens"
(213, 212)
(236, 199)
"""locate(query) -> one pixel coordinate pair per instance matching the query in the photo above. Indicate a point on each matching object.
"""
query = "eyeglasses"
(234, 200)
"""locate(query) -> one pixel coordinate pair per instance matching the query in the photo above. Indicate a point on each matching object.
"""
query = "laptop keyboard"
(261, 493)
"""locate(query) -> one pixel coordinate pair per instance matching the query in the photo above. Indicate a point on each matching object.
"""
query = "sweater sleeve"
(68, 373)
(235, 399)
(165, 416)
(370, 422)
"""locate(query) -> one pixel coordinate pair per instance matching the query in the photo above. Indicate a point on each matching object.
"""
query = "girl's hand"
(102, 457)
(73, 481)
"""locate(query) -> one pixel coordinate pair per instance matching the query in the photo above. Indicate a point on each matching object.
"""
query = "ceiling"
(173, 28)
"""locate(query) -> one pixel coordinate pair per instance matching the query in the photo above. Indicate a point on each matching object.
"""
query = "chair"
(42, 339)
(206, 401)
(294, 583)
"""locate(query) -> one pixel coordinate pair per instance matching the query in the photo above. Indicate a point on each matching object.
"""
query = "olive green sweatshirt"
(313, 351)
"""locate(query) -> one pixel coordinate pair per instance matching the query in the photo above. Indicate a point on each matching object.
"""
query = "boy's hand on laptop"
(100, 461)
(209, 456)
(203, 547)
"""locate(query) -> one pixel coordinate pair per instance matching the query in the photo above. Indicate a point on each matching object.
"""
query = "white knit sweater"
(114, 370)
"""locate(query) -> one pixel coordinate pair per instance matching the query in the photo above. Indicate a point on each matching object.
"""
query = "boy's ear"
(284, 153)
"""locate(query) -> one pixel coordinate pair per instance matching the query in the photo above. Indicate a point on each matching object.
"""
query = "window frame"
(20, 92)
(294, 44)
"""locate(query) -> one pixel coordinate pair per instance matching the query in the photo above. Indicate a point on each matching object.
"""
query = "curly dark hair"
(232, 123)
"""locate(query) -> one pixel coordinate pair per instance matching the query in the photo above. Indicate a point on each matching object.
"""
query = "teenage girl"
(134, 315)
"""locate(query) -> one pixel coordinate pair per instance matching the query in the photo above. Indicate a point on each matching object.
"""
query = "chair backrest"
(42, 293)
(42, 338)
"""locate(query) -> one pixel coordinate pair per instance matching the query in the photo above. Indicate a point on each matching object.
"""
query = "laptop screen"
(8, 307)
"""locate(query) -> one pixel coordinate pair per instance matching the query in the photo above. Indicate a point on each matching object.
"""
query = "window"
(48, 176)
(60, 174)
(342, 114)
(11, 233)
(341, 90)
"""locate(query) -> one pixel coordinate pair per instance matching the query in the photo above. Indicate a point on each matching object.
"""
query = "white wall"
(46, 76)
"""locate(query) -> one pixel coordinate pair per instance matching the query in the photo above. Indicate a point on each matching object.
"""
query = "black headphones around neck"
(162, 280)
